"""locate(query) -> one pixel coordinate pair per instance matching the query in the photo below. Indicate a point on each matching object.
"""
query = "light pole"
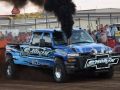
(46, 18)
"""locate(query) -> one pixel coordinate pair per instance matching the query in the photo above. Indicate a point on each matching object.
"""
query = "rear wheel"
(9, 68)
(59, 72)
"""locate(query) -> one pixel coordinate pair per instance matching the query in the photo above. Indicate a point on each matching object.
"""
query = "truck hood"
(88, 47)
(85, 48)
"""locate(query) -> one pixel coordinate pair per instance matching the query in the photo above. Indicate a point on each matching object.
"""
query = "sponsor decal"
(37, 63)
(36, 51)
(104, 62)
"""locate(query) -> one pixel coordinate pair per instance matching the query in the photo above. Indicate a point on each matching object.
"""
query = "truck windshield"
(80, 36)
(59, 38)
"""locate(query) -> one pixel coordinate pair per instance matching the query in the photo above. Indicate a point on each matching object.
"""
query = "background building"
(87, 19)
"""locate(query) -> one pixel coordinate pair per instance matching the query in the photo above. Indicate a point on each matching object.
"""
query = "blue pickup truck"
(50, 48)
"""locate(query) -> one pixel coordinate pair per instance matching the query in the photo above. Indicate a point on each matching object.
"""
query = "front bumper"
(93, 62)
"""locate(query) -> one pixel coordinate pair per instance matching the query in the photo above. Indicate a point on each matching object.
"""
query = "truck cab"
(49, 48)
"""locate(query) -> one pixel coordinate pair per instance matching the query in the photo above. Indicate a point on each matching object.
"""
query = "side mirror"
(42, 42)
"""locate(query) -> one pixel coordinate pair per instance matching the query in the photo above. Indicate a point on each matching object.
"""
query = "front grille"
(102, 56)
(81, 61)
(90, 56)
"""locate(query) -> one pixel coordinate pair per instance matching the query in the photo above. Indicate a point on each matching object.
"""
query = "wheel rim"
(58, 73)
(9, 70)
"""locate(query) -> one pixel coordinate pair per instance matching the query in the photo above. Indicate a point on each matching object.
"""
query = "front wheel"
(59, 72)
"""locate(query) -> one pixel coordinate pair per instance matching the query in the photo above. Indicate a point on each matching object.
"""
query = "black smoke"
(38, 2)
(63, 10)
(18, 3)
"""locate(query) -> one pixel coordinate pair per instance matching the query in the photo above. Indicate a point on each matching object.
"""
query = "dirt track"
(42, 81)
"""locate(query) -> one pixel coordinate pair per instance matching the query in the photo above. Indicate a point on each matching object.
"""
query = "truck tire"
(59, 72)
(9, 68)
(109, 74)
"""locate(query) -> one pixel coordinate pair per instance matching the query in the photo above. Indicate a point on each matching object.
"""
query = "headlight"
(71, 60)
(73, 55)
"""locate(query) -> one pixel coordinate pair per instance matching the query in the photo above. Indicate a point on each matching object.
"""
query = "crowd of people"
(22, 37)
(104, 34)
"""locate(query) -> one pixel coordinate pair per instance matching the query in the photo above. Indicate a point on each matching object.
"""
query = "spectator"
(108, 33)
(113, 30)
(98, 36)
(103, 36)
(9, 37)
(1, 36)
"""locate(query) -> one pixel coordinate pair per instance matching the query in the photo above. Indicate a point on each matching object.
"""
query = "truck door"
(40, 55)
(31, 53)
(46, 49)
